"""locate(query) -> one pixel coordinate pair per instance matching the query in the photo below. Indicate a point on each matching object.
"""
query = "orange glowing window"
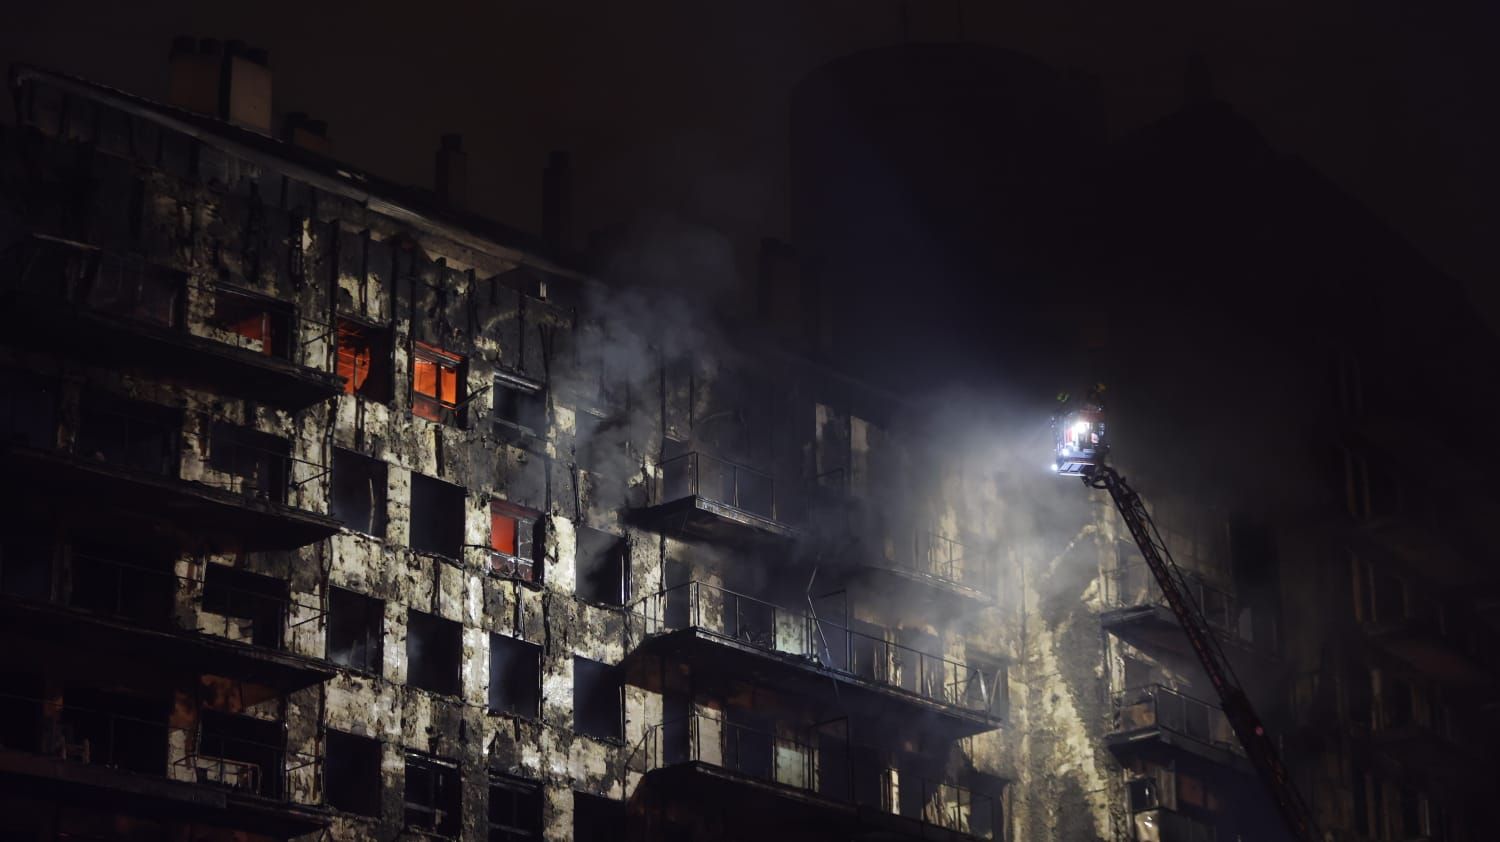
(513, 541)
(257, 323)
(363, 360)
(502, 533)
(435, 382)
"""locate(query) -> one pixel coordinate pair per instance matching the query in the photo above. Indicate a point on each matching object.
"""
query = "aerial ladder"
(1080, 449)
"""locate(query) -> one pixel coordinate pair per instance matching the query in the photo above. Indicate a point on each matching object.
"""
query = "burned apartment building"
(334, 511)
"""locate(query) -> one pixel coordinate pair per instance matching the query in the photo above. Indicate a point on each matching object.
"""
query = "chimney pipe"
(229, 81)
(300, 130)
(452, 174)
(557, 201)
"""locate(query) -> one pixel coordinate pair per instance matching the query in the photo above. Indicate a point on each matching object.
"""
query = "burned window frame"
(269, 455)
(598, 812)
(377, 477)
(433, 406)
(615, 551)
(519, 406)
(589, 704)
(378, 384)
(367, 774)
(371, 638)
(275, 602)
(525, 798)
(447, 545)
(523, 666)
(441, 672)
(445, 820)
(523, 562)
(135, 281)
(278, 320)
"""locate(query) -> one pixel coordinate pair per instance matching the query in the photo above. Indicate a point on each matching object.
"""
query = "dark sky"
(680, 107)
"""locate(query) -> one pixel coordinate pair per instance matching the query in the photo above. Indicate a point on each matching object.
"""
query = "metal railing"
(147, 596)
(153, 445)
(149, 746)
(128, 287)
(697, 474)
(763, 625)
(1134, 585)
(831, 769)
(1156, 706)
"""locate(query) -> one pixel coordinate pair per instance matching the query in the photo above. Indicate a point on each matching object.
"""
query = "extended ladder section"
(1237, 708)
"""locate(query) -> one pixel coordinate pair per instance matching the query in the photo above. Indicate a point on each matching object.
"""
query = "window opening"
(515, 677)
(364, 360)
(352, 773)
(434, 647)
(515, 811)
(437, 516)
(356, 625)
(258, 463)
(432, 795)
(254, 323)
(600, 567)
(437, 384)
(249, 607)
(515, 537)
(598, 700)
(240, 752)
(598, 819)
(359, 485)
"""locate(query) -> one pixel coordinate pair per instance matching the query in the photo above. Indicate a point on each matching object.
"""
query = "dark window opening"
(432, 795)
(134, 289)
(359, 484)
(129, 434)
(598, 700)
(515, 810)
(364, 360)
(437, 516)
(259, 464)
(356, 624)
(240, 752)
(988, 686)
(257, 324)
(600, 567)
(515, 677)
(515, 537)
(352, 773)
(139, 586)
(28, 410)
(250, 607)
(597, 819)
(520, 408)
(111, 729)
(434, 647)
(437, 384)
(25, 564)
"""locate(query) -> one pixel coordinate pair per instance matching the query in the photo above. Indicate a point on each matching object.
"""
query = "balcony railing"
(147, 596)
(151, 747)
(1155, 706)
(753, 622)
(137, 441)
(721, 481)
(831, 769)
(1134, 585)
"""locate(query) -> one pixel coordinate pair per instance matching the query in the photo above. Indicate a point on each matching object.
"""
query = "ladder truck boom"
(1080, 452)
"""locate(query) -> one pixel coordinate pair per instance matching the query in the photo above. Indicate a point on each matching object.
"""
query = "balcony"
(722, 633)
(123, 472)
(122, 612)
(1424, 644)
(72, 299)
(712, 499)
(1136, 612)
(146, 765)
(772, 781)
(1160, 722)
(941, 564)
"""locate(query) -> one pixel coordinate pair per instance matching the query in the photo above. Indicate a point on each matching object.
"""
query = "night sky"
(679, 109)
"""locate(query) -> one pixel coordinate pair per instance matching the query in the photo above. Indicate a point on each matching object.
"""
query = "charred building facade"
(335, 512)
